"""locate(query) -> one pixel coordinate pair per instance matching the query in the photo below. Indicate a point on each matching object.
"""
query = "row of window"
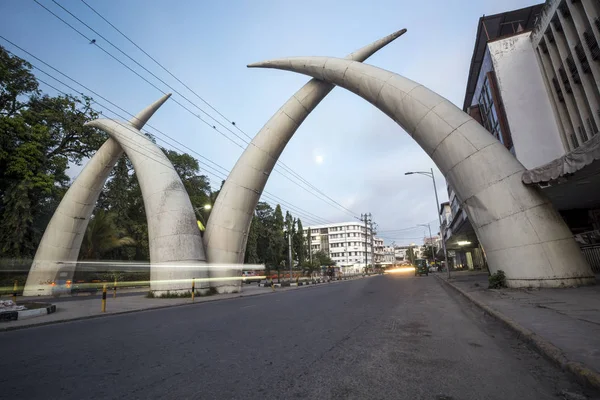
(347, 244)
(343, 235)
(347, 228)
(349, 253)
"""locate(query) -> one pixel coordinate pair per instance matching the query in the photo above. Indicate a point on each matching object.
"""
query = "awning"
(570, 163)
(573, 180)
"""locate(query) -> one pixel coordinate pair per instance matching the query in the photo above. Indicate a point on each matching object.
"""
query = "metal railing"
(592, 255)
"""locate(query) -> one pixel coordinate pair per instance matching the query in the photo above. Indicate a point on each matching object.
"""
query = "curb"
(110, 314)
(580, 371)
(26, 314)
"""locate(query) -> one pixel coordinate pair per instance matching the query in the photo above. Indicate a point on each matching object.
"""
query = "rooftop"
(493, 27)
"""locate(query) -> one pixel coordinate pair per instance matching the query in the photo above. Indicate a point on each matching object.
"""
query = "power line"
(130, 146)
(148, 125)
(165, 69)
(281, 164)
(216, 173)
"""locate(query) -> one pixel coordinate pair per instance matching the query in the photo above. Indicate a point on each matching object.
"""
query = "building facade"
(345, 242)
(534, 85)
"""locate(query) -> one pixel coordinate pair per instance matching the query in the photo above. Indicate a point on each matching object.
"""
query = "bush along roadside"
(179, 295)
(497, 280)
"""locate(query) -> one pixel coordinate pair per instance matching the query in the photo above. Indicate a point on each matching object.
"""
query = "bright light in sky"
(319, 159)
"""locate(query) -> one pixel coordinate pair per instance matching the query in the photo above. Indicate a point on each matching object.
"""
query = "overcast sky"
(347, 148)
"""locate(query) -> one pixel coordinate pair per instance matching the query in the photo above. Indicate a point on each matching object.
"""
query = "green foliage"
(102, 236)
(497, 280)
(39, 137)
(323, 259)
(410, 253)
(298, 243)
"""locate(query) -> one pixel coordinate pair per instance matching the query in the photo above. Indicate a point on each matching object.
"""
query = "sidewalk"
(563, 324)
(127, 301)
(85, 306)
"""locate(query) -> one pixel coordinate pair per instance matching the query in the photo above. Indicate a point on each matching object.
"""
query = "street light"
(437, 211)
(198, 210)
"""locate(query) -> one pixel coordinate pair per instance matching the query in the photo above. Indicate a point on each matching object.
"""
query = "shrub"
(497, 280)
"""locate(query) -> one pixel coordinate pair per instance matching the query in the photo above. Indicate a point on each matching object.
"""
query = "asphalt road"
(384, 337)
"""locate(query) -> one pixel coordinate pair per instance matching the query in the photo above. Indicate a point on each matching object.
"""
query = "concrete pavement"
(564, 324)
(387, 337)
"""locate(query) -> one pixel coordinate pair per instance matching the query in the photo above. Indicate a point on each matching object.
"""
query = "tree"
(428, 253)
(298, 243)
(410, 253)
(323, 258)
(102, 236)
(290, 232)
(278, 244)
(40, 136)
(251, 256)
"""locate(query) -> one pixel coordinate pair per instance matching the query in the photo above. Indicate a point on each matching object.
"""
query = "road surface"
(384, 337)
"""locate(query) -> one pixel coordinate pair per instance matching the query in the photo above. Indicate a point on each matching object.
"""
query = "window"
(583, 134)
(489, 115)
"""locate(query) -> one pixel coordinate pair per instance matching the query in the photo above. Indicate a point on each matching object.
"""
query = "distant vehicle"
(250, 276)
(83, 280)
(421, 267)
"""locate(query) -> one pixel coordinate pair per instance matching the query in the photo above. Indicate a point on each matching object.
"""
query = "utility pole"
(309, 237)
(290, 254)
(372, 245)
(366, 218)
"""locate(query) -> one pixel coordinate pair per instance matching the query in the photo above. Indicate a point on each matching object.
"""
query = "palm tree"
(103, 235)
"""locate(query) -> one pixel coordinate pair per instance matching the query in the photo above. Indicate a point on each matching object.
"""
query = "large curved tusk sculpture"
(176, 249)
(227, 229)
(62, 238)
(517, 226)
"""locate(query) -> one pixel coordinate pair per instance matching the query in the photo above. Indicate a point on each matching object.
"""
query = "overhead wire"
(219, 174)
(282, 165)
(280, 162)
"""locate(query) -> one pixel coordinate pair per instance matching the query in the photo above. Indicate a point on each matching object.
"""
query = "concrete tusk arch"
(517, 226)
(176, 248)
(62, 238)
(227, 228)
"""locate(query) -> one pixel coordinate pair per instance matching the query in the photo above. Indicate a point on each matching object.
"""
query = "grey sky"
(208, 44)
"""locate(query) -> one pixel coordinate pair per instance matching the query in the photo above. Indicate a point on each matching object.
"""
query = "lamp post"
(428, 226)
(437, 204)
(205, 207)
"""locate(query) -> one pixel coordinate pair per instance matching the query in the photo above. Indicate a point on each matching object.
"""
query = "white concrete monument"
(517, 226)
(62, 238)
(176, 249)
(227, 229)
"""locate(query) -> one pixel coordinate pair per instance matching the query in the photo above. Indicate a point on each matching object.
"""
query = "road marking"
(253, 305)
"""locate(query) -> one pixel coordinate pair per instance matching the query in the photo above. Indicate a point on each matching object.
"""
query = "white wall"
(533, 126)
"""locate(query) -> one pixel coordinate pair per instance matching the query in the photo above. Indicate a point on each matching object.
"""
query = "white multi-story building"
(534, 84)
(344, 242)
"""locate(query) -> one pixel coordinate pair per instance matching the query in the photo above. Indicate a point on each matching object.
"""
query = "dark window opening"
(585, 65)
(558, 90)
(591, 42)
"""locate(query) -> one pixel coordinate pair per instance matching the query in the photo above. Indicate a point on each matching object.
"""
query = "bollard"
(193, 288)
(115, 289)
(104, 298)
(15, 288)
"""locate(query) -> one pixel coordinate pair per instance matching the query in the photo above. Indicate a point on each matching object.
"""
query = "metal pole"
(290, 254)
(366, 264)
(103, 308)
(372, 248)
(432, 243)
(437, 210)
